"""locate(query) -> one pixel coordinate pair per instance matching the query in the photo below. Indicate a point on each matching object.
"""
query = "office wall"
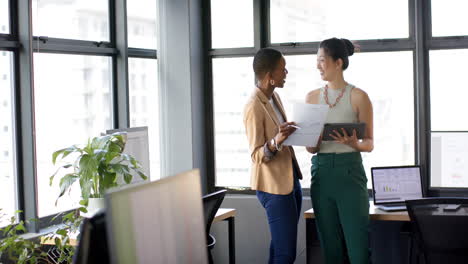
(389, 245)
(181, 74)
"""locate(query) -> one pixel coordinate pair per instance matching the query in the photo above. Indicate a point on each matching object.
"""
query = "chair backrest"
(442, 233)
(92, 246)
(211, 204)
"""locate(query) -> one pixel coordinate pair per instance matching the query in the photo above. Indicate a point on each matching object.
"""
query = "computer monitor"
(137, 145)
(157, 222)
(394, 185)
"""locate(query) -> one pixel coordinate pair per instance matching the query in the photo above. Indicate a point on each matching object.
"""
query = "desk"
(375, 214)
(227, 214)
(223, 214)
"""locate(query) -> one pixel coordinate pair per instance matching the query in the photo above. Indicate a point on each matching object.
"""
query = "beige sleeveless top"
(342, 112)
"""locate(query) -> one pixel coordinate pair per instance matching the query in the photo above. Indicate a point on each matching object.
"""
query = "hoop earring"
(272, 82)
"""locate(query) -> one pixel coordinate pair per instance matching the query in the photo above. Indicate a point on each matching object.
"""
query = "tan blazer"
(273, 175)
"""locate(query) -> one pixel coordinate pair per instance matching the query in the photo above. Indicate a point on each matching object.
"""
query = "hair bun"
(349, 46)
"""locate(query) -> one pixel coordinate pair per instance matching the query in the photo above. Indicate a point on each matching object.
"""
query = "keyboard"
(390, 208)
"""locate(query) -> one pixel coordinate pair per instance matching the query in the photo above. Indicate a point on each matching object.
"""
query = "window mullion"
(118, 11)
(142, 53)
(422, 92)
(261, 24)
(26, 154)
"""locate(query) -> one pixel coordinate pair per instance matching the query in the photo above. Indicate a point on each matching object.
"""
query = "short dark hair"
(338, 49)
(265, 60)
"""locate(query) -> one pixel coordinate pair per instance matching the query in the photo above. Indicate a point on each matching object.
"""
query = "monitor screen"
(137, 145)
(396, 184)
(157, 222)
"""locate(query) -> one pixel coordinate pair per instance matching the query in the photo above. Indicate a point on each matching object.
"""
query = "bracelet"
(273, 145)
(278, 147)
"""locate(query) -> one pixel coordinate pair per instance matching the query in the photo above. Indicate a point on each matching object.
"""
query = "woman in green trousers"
(339, 183)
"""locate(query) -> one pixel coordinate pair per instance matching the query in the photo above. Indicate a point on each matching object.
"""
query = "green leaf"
(108, 180)
(69, 216)
(135, 163)
(51, 179)
(65, 152)
(118, 168)
(100, 153)
(128, 178)
(7, 228)
(120, 138)
(66, 182)
(131, 160)
(111, 155)
(86, 186)
(100, 142)
(142, 175)
(69, 150)
(57, 242)
(56, 154)
(88, 168)
(62, 232)
(125, 169)
(20, 227)
(114, 147)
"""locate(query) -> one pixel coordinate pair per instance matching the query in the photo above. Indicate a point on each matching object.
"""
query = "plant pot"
(94, 205)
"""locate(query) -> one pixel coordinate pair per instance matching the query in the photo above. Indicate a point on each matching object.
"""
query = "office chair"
(440, 233)
(92, 246)
(211, 204)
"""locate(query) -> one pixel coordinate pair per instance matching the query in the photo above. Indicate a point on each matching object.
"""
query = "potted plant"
(14, 248)
(97, 167)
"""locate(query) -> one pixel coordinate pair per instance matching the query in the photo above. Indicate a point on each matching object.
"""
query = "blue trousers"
(283, 212)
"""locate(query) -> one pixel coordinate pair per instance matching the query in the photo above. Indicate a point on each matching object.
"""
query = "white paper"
(310, 118)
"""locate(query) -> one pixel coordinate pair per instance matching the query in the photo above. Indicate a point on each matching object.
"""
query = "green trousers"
(341, 206)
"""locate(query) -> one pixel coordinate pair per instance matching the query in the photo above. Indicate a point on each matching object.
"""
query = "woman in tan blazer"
(275, 172)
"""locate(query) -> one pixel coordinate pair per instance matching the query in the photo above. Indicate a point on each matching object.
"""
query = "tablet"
(329, 127)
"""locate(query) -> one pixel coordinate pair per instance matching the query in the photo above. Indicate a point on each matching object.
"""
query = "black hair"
(266, 60)
(338, 49)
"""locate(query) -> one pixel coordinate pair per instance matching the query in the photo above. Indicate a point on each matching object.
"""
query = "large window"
(388, 79)
(141, 26)
(448, 93)
(64, 84)
(449, 127)
(387, 76)
(4, 17)
(232, 149)
(305, 20)
(449, 18)
(144, 105)
(74, 19)
(143, 75)
(8, 188)
(232, 23)
(393, 109)
(393, 103)
(72, 104)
